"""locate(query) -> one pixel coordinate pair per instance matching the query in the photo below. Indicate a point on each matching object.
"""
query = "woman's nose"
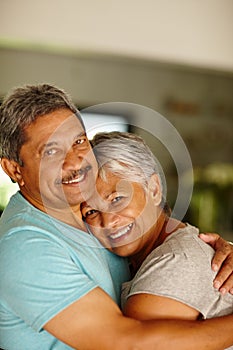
(110, 220)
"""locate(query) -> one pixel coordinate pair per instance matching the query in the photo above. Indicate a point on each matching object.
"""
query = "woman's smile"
(120, 235)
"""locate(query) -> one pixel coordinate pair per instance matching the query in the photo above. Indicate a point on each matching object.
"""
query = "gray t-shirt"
(180, 269)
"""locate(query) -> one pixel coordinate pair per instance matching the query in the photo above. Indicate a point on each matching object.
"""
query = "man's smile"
(75, 177)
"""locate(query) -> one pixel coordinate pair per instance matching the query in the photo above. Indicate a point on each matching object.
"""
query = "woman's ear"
(12, 169)
(155, 189)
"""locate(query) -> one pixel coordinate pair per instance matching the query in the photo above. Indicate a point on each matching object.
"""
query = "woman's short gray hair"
(126, 155)
(21, 108)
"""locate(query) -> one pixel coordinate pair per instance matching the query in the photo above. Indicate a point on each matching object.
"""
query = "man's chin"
(77, 199)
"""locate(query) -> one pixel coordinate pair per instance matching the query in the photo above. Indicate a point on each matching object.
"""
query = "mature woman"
(129, 215)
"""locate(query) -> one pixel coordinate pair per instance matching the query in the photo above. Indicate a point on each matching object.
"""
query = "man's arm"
(222, 262)
(96, 322)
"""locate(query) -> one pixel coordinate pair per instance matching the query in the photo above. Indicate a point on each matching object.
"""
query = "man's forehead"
(70, 129)
(71, 123)
(61, 122)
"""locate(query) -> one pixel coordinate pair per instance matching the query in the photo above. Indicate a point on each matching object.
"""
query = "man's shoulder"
(20, 220)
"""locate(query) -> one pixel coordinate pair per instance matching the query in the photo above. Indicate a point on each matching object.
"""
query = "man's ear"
(155, 189)
(12, 169)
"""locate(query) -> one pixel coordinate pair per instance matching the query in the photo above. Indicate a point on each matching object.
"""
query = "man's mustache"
(74, 174)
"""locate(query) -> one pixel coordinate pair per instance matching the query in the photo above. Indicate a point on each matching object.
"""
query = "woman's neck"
(155, 238)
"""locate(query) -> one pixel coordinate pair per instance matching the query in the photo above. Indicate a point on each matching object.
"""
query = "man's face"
(58, 164)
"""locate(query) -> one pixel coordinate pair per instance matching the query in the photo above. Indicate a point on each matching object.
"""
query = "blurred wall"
(175, 57)
(191, 32)
(197, 101)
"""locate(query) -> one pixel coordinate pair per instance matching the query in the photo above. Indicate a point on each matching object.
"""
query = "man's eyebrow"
(47, 145)
(82, 133)
(55, 143)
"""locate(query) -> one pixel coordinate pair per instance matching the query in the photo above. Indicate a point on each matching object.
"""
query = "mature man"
(59, 287)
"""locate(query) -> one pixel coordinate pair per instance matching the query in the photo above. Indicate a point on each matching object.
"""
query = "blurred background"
(174, 57)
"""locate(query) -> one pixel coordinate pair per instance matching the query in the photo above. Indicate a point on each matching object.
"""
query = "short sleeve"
(47, 278)
(184, 277)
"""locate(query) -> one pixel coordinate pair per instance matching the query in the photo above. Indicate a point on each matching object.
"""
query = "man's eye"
(80, 141)
(50, 152)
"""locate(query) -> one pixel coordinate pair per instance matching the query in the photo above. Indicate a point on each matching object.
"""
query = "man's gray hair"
(128, 156)
(21, 108)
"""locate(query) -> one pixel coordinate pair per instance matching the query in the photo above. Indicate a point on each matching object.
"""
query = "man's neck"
(70, 215)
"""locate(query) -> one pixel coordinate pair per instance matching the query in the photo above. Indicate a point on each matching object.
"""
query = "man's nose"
(72, 160)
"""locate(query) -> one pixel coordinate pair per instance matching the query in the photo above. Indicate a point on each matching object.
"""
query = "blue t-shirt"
(45, 265)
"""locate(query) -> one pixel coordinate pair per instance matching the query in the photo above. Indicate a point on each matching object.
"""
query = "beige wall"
(193, 32)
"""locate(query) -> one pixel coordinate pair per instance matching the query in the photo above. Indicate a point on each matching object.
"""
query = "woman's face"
(122, 215)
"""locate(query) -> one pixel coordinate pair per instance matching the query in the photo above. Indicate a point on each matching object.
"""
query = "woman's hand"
(222, 261)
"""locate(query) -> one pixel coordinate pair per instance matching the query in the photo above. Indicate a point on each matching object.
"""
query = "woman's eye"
(117, 199)
(90, 212)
